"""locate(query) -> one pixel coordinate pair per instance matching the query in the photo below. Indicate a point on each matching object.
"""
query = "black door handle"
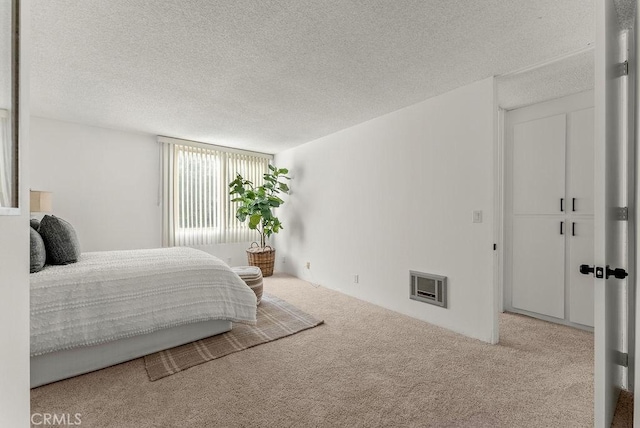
(573, 204)
(617, 272)
(562, 228)
(561, 204)
(573, 228)
(586, 269)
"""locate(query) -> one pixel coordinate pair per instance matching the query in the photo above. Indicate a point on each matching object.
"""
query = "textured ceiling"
(555, 79)
(268, 75)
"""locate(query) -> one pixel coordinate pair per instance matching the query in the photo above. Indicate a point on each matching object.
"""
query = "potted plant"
(256, 204)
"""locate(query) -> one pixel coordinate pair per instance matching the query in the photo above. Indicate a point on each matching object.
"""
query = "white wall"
(396, 194)
(105, 182)
(14, 269)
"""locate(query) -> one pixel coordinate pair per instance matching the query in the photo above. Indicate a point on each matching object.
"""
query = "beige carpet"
(365, 367)
(276, 319)
(623, 417)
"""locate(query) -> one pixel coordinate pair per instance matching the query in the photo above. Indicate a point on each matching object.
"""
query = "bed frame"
(60, 365)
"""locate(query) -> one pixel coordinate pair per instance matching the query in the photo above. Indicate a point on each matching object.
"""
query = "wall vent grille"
(428, 288)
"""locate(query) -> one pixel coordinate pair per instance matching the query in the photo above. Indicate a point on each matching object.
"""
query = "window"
(197, 207)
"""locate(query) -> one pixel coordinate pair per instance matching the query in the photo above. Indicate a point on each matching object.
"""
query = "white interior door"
(539, 158)
(539, 264)
(549, 182)
(580, 149)
(610, 193)
(580, 286)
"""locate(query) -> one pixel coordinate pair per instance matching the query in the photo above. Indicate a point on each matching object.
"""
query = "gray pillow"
(38, 253)
(35, 223)
(60, 240)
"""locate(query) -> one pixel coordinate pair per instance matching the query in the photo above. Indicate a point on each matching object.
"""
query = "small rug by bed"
(276, 319)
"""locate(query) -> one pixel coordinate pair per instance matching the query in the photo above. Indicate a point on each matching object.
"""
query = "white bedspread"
(116, 294)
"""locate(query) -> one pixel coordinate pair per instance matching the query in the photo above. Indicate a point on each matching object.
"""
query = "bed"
(115, 306)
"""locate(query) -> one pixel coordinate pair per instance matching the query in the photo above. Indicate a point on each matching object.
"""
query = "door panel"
(580, 149)
(580, 286)
(539, 160)
(610, 189)
(538, 265)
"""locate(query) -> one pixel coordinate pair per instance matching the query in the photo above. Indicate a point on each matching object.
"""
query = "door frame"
(498, 210)
(634, 347)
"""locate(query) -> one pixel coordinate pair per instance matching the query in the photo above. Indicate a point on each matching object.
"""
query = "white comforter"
(116, 294)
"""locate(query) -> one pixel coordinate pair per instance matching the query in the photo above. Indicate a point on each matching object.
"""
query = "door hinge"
(622, 69)
(621, 213)
(621, 358)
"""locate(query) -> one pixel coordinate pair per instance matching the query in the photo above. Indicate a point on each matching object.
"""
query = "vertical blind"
(197, 205)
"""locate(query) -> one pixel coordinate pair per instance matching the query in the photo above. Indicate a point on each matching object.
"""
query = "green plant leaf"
(256, 202)
(254, 220)
(236, 188)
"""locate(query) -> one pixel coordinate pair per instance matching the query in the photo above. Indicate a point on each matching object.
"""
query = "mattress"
(112, 295)
(54, 366)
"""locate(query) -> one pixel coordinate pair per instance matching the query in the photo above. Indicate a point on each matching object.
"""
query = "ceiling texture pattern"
(564, 76)
(267, 75)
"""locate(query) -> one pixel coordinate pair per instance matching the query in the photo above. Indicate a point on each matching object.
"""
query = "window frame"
(230, 230)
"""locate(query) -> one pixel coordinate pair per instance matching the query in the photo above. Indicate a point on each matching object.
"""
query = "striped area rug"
(276, 319)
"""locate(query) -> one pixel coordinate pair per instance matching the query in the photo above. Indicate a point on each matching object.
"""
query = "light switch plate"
(477, 216)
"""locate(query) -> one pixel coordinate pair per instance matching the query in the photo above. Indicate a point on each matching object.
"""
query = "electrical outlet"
(284, 259)
(356, 279)
(229, 260)
(308, 265)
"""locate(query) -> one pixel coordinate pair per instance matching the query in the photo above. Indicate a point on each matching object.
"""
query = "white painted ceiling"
(268, 75)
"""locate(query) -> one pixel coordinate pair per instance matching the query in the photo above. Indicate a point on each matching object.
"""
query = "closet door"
(581, 307)
(549, 183)
(539, 166)
(539, 264)
(580, 169)
(580, 196)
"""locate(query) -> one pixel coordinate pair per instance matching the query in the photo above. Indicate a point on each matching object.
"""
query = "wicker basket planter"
(264, 258)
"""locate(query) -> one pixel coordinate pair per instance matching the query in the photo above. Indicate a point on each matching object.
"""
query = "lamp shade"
(40, 201)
